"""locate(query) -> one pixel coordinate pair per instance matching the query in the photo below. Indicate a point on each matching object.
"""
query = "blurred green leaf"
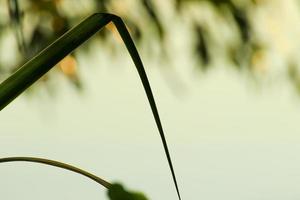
(117, 192)
(201, 47)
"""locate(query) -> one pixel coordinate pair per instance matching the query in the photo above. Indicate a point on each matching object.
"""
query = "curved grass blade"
(59, 165)
(39, 65)
(141, 70)
(34, 69)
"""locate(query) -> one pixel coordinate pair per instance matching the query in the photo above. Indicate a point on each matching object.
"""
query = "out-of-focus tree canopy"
(254, 36)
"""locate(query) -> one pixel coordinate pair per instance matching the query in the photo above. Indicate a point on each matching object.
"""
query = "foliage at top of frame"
(247, 52)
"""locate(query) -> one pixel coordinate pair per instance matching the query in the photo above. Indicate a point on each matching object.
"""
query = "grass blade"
(59, 165)
(34, 69)
(141, 70)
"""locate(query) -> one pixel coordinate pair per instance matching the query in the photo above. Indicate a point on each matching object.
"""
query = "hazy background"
(232, 127)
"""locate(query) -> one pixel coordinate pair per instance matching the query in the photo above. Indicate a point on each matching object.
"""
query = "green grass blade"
(59, 165)
(141, 70)
(34, 69)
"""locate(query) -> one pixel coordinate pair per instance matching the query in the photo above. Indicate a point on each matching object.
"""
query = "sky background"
(229, 138)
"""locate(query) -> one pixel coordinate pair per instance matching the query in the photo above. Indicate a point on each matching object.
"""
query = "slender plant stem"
(59, 165)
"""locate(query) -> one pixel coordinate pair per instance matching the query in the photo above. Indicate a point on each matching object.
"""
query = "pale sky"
(228, 138)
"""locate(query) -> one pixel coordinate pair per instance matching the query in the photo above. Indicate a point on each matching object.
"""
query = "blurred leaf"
(102, 5)
(242, 22)
(148, 4)
(14, 11)
(117, 192)
(294, 76)
(15, 17)
(201, 47)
